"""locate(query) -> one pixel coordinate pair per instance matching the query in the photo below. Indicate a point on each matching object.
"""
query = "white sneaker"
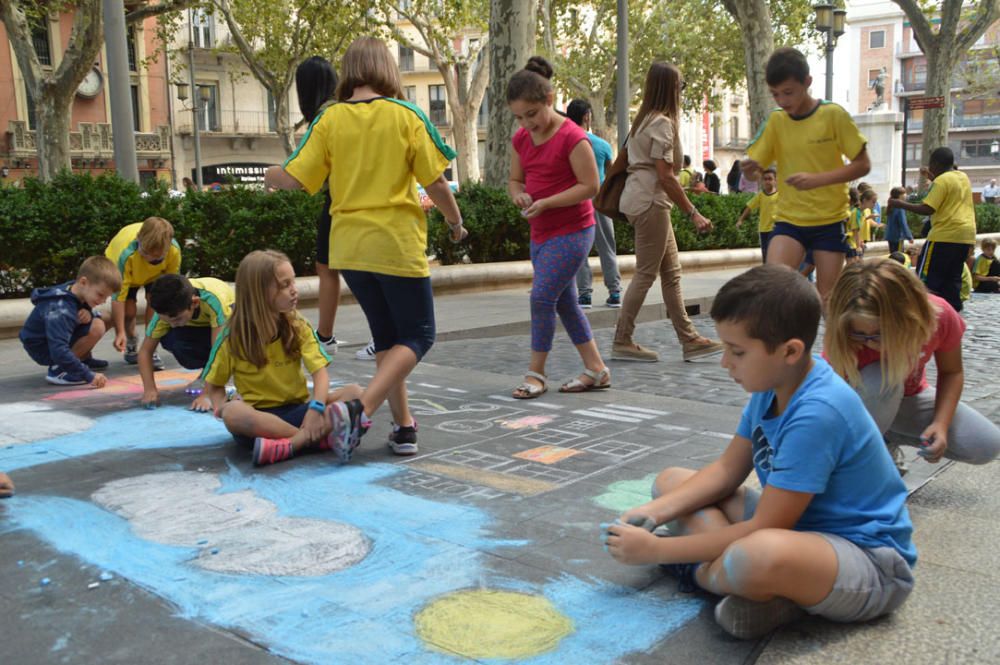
(367, 353)
(329, 346)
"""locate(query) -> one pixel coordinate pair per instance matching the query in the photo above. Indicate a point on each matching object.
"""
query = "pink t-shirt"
(547, 171)
(947, 337)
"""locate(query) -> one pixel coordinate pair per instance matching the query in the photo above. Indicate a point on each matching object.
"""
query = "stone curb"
(475, 277)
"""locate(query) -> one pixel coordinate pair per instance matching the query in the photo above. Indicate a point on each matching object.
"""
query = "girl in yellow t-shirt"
(263, 348)
(374, 149)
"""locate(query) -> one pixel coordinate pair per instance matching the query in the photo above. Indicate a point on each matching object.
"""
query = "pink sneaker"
(268, 451)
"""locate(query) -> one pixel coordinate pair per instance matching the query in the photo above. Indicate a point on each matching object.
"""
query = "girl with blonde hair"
(263, 348)
(651, 190)
(883, 327)
(374, 149)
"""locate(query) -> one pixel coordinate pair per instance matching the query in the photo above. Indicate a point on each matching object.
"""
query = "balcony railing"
(960, 122)
(93, 140)
(235, 123)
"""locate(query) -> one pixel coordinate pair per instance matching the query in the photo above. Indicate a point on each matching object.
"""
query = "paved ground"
(485, 545)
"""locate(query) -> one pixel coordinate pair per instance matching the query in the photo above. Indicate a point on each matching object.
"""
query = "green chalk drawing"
(626, 494)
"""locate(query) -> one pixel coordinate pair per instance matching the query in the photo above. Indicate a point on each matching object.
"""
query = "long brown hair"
(660, 94)
(885, 293)
(255, 323)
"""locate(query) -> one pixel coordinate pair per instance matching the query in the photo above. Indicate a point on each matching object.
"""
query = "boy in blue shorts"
(953, 227)
(829, 534)
(190, 314)
(64, 326)
(808, 139)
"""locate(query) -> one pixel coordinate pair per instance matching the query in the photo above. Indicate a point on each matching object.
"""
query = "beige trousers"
(655, 256)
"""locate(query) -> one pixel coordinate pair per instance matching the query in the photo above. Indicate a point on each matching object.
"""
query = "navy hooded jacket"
(49, 328)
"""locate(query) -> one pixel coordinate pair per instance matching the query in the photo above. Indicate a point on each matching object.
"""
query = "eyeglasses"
(861, 337)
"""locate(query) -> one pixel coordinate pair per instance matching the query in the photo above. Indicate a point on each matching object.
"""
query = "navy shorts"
(293, 414)
(40, 352)
(825, 238)
(765, 237)
(323, 232)
(940, 267)
(400, 310)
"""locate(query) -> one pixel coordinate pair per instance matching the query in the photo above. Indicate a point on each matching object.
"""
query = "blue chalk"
(20, 563)
(105, 576)
(203, 541)
(215, 550)
(44, 582)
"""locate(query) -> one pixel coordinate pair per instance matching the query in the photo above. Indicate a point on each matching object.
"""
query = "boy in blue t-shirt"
(829, 534)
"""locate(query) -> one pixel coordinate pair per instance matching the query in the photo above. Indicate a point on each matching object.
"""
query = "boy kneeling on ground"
(830, 533)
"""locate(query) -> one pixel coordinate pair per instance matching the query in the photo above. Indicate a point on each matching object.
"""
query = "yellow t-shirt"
(866, 225)
(684, 177)
(966, 291)
(816, 143)
(767, 204)
(853, 224)
(954, 218)
(982, 265)
(135, 270)
(277, 383)
(374, 154)
(216, 307)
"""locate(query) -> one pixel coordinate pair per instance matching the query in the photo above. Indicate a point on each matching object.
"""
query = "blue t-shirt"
(827, 445)
(602, 153)
(896, 228)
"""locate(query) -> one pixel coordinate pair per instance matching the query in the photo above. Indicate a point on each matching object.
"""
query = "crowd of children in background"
(829, 534)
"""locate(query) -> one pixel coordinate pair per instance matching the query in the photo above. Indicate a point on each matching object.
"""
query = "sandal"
(530, 390)
(602, 381)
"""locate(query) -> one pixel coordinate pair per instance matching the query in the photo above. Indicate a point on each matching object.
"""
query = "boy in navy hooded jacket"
(64, 327)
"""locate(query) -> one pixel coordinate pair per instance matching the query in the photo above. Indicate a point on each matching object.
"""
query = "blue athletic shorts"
(825, 238)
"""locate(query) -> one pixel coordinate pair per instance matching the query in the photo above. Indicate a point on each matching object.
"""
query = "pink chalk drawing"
(525, 422)
(167, 380)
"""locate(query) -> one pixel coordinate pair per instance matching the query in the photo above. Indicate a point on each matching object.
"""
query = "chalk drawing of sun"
(491, 623)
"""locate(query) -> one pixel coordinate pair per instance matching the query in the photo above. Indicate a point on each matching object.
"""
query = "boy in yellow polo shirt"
(766, 201)
(142, 252)
(986, 269)
(190, 314)
(953, 227)
(808, 139)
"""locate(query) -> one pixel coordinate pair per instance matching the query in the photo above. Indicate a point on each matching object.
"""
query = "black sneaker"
(348, 424)
(585, 302)
(95, 363)
(403, 440)
(614, 300)
(684, 572)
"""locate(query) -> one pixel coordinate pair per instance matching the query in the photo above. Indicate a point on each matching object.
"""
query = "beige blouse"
(657, 138)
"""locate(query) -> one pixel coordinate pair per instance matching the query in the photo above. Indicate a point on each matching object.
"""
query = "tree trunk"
(52, 117)
(286, 132)
(935, 127)
(512, 42)
(466, 145)
(754, 19)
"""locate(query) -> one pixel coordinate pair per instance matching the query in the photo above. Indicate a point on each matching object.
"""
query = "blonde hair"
(883, 292)
(255, 323)
(987, 243)
(101, 270)
(367, 61)
(155, 235)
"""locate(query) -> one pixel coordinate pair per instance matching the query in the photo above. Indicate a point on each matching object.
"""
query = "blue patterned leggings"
(553, 288)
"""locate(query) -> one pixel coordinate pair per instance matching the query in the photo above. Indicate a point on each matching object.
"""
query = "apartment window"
(40, 40)
(918, 75)
(734, 129)
(481, 154)
(130, 44)
(208, 112)
(204, 28)
(439, 112)
(483, 118)
(914, 152)
(136, 125)
(976, 148)
(876, 39)
(405, 59)
(410, 94)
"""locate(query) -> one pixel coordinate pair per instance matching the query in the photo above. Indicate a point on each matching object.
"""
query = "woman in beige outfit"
(651, 189)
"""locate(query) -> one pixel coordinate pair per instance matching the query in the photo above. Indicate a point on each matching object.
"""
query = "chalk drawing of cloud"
(236, 532)
(24, 422)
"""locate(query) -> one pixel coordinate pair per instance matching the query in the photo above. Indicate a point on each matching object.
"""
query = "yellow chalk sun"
(487, 623)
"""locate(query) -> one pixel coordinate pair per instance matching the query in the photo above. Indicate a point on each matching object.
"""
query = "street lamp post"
(830, 21)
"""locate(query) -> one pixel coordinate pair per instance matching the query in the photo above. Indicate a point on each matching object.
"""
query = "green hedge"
(46, 230)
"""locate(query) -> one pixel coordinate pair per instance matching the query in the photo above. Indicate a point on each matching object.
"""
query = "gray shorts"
(870, 582)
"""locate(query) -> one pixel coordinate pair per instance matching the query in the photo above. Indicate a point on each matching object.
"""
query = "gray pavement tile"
(965, 489)
(944, 538)
(946, 620)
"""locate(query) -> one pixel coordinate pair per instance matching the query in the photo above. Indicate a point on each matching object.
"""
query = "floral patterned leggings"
(553, 288)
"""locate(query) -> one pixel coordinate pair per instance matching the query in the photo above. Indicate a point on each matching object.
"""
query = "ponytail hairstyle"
(531, 84)
(660, 94)
(255, 323)
(316, 84)
(885, 293)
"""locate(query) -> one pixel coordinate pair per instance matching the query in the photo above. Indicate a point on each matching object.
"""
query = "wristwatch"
(317, 405)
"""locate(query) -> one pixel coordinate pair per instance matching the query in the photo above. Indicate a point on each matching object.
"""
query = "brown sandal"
(602, 381)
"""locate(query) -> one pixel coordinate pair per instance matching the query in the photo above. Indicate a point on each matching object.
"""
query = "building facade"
(91, 131)
(880, 42)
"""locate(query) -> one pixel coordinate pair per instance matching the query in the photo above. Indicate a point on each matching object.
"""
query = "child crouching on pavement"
(830, 533)
(64, 326)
